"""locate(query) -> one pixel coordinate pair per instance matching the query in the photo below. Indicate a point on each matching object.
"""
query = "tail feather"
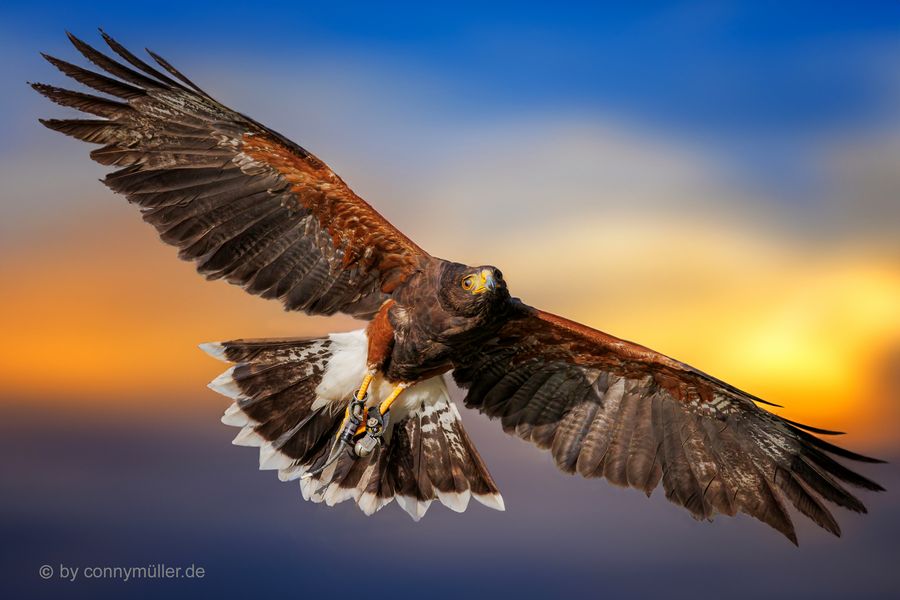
(289, 398)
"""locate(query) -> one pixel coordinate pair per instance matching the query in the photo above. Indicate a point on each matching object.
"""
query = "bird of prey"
(366, 415)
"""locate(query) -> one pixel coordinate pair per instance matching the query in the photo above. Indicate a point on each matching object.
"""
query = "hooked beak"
(486, 282)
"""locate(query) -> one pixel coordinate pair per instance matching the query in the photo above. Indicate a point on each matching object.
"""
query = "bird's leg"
(350, 425)
(386, 403)
(353, 417)
(376, 423)
(364, 386)
(356, 411)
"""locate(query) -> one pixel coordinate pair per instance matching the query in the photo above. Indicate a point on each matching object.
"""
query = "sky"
(718, 181)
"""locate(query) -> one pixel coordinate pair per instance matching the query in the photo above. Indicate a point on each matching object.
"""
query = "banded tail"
(289, 399)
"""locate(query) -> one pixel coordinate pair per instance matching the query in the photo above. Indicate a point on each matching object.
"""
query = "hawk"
(366, 415)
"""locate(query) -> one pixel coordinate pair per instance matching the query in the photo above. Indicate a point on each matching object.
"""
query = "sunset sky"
(718, 181)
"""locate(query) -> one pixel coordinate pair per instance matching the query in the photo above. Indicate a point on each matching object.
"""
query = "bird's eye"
(498, 274)
(468, 283)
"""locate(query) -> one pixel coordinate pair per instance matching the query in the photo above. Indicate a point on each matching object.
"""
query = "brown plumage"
(240, 200)
(249, 206)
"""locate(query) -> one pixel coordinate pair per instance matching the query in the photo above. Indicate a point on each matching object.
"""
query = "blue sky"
(734, 68)
(760, 82)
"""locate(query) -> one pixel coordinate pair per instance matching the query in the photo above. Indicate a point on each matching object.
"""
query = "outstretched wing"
(240, 200)
(606, 407)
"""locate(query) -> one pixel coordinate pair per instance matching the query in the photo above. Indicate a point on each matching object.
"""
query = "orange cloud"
(105, 313)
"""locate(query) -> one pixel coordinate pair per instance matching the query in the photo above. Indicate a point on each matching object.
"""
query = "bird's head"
(469, 291)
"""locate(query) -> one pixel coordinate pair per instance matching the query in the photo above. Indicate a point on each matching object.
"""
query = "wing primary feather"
(97, 81)
(812, 429)
(95, 105)
(87, 130)
(111, 66)
(168, 67)
(825, 485)
(137, 62)
(135, 182)
(840, 471)
(775, 513)
(804, 501)
(833, 449)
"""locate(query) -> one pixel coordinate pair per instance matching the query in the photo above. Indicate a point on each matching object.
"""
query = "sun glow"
(85, 324)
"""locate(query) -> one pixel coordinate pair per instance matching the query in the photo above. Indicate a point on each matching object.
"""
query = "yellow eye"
(468, 283)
